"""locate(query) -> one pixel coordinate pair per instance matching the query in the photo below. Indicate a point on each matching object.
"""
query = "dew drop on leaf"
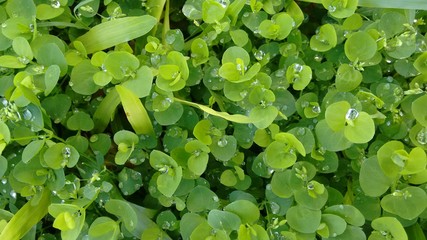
(275, 208)
(55, 4)
(301, 132)
(27, 114)
(259, 55)
(351, 114)
(66, 152)
(223, 3)
(215, 198)
(316, 109)
(422, 136)
(222, 142)
(298, 68)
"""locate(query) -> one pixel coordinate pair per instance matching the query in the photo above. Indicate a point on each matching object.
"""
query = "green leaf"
(121, 64)
(372, 179)
(57, 106)
(407, 203)
(124, 211)
(360, 46)
(8, 61)
(31, 150)
(135, 111)
(246, 210)
(325, 39)
(263, 116)
(170, 173)
(114, 32)
(3, 166)
(21, 47)
(340, 9)
(347, 78)
(141, 84)
(303, 220)
(51, 78)
(46, 12)
(419, 111)
(213, 11)
(82, 78)
(351, 214)
(21, 8)
(362, 131)
(223, 220)
(80, 121)
(224, 148)
(335, 224)
(60, 155)
(104, 228)
(202, 198)
(389, 227)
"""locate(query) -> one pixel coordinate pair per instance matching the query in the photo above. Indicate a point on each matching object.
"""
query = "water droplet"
(280, 73)
(246, 14)
(318, 58)
(215, 198)
(351, 114)
(120, 185)
(332, 8)
(13, 194)
(4, 181)
(55, 4)
(66, 152)
(136, 176)
(275, 208)
(316, 109)
(3, 25)
(223, 3)
(243, 93)
(222, 142)
(166, 225)
(422, 136)
(298, 68)
(27, 114)
(259, 55)
(23, 60)
(301, 131)
(71, 84)
(268, 187)
(325, 168)
(170, 38)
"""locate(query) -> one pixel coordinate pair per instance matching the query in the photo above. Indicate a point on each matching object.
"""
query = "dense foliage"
(214, 119)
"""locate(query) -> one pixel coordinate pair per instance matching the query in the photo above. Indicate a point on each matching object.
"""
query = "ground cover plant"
(214, 119)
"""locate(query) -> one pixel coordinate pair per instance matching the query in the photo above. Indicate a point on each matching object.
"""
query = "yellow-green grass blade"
(26, 217)
(111, 33)
(401, 4)
(238, 118)
(135, 111)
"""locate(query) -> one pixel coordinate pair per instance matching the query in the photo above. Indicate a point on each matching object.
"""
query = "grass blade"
(105, 111)
(135, 111)
(401, 4)
(111, 33)
(238, 118)
(26, 218)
